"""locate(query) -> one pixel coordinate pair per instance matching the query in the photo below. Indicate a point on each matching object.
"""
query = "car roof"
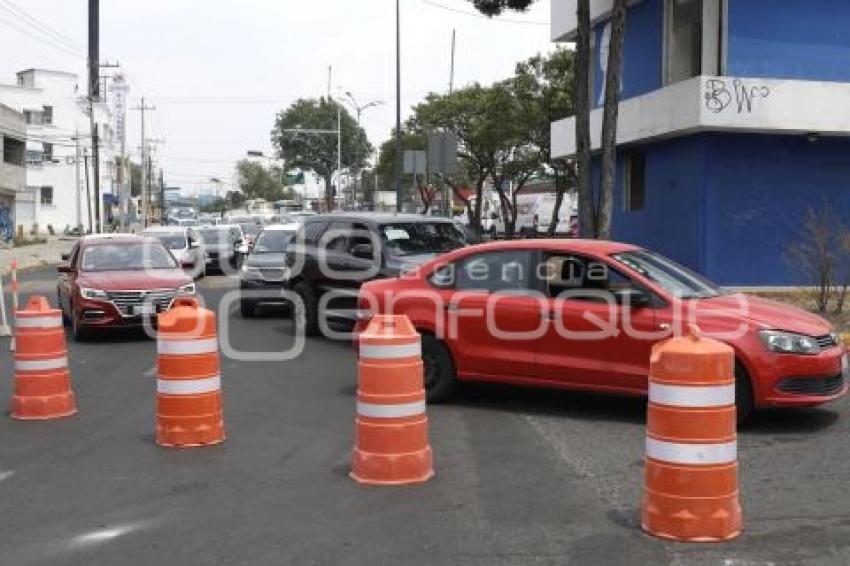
(103, 239)
(376, 217)
(574, 245)
(166, 230)
(290, 227)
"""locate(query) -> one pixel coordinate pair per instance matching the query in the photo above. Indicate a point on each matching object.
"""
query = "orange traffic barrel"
(691, 481)
(42, 380)
(391, 439)
(189, 407)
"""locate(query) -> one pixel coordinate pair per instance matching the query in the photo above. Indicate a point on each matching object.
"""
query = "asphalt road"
(523, 476)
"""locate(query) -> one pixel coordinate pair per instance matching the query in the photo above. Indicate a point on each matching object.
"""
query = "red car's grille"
(126, 301)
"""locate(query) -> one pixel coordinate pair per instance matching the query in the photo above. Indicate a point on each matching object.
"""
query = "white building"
(12, 172)
(56, 113)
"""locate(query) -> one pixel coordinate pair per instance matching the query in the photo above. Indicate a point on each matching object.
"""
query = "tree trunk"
(329, 194)
(609, 119)
(560, 189)
(476, 214)
(581, 92)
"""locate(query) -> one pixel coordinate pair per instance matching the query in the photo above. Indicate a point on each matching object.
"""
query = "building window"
(34, 117)
(47, 195)
(683, 57)
(634, 184)
(13, 151)
(47, 115)
(34, 157)
(48, 152)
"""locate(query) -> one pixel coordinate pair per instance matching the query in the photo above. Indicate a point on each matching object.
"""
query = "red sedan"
(116, 280)
(584, 314)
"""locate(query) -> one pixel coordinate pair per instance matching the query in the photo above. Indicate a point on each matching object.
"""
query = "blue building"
(734, 122)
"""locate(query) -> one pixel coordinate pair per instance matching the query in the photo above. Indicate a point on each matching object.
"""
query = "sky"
(219, 70)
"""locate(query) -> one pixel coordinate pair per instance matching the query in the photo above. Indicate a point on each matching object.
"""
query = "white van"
(534, 214)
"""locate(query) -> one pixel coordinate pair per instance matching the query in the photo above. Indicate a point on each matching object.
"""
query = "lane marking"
(150, 373)
(6, 475)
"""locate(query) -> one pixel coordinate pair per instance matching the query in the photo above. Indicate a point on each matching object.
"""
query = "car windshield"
(273, 241)
(171, 241)
(216, 236)
(677, 280)
(250, 229)
(414, 238)
(126, 256)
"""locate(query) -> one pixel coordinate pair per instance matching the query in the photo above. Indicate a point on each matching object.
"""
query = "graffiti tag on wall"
(720, 95)
(7, 229)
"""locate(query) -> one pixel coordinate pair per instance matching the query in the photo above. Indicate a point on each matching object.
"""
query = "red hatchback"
(584, 314)
(116, 280)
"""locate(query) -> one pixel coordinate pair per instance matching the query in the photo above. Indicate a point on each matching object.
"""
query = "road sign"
(415, 162)
(442, 152)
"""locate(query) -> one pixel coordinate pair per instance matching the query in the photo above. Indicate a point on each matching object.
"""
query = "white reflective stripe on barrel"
(390, 411)
(692, 396)
(187, 347)
(41, 365)
(49, 321)
(676, 453)
(390, 351)
(188, 386)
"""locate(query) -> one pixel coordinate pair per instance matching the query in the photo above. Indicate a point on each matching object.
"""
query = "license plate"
(144, 309)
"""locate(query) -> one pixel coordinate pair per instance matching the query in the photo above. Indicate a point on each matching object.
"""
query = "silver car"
(184, 245)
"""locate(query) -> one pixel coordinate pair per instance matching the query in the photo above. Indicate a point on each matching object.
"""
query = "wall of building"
(789, 39)
(642, 51)
(760, 188)
(671, 221)
(32, 91)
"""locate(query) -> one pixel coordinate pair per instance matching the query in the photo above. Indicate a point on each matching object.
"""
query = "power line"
(41, 39)
(33, 22)
(482, 16)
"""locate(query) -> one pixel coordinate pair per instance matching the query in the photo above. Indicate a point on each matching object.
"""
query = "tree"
(256, 181)
(496, 7)
(317, 152)
(544, 86)
(609, 119)
(234, 200)
(410, 140)
(581, 94)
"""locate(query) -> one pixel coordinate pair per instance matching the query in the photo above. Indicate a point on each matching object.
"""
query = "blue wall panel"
(789, 39)
(759, 189)
(672, 219)
(642, 51)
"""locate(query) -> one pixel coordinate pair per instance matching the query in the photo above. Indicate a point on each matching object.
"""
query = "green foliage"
(318, 152)
(256, 181)
(234, 199)
(496, 7)
(387, 161)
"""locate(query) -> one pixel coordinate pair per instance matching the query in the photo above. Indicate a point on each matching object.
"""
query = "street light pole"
(398, 156)
(359, 111)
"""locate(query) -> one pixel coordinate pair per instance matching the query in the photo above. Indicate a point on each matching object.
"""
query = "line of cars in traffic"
(562, 313)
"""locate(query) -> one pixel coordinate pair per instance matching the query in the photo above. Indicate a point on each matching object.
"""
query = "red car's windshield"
(123, 257)
(672, 277)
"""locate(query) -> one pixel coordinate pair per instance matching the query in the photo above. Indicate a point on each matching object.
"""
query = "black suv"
(338, 252)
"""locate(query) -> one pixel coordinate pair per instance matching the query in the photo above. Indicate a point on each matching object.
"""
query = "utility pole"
(88, 192)
(94, 94)
(77, 185)
(452, 71)
(398, 148)
(330, 81)
(338, 149)
(143, 107)
(358, 109)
